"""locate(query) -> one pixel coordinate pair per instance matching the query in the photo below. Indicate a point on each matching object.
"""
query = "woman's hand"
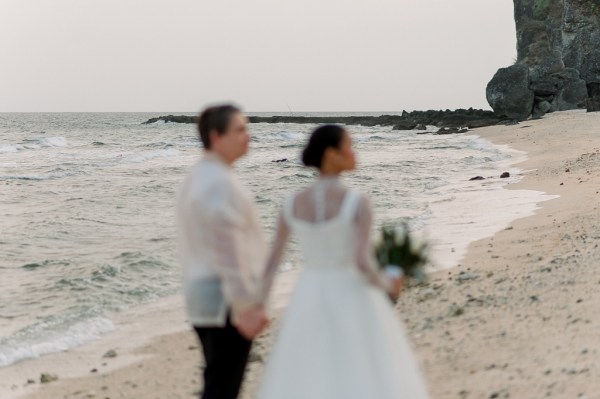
(395, 287)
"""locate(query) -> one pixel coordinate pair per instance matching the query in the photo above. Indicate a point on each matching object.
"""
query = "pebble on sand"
(110, 354)
(47, 377)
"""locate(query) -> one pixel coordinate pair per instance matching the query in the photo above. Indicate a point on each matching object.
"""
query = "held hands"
(251, 322)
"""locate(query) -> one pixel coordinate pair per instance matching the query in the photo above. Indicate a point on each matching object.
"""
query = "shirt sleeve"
(365, 259)
(225, 219)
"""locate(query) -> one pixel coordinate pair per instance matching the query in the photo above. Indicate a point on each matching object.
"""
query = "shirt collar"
(214, 157)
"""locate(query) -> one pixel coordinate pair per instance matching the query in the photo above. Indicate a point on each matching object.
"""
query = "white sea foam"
(75, 335)
(53, 142)
(292, 136)
(35, 144)
(466, 211)
(477, 143)
(455, 224)
(145, 156)
(10, 148)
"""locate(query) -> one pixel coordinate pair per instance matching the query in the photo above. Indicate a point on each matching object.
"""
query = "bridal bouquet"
(399, 253)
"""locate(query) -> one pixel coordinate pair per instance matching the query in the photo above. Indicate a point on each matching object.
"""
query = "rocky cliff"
(558, 60)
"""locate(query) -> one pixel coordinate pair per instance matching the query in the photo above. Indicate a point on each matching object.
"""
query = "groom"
(222, 252)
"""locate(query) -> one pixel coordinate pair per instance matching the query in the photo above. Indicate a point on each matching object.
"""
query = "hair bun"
(308, 156)
(326, 136)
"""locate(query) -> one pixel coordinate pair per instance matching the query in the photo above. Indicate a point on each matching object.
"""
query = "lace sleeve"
(278, 248)
(365, 259)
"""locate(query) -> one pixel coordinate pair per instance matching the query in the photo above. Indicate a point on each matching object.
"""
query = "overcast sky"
(266, 55)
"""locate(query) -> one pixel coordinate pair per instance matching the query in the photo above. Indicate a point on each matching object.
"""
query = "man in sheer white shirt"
(222, 252)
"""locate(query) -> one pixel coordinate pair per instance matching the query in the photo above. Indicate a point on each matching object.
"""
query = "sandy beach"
(514, 319)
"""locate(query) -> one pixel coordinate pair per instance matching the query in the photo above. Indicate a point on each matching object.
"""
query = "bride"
(340, 337)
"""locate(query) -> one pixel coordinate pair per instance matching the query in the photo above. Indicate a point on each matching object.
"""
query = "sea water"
(87, 209)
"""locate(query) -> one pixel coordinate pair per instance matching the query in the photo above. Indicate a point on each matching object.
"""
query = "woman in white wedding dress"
(340, 337)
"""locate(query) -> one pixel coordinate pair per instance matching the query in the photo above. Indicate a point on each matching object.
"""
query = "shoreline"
(170, 337)
(449, 341)
(451, 240)
(517, 318)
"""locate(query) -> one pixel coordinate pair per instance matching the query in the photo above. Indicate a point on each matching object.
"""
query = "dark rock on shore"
(460, 118)
(593, 102)
(452, 130)
(573, 95)
(505, 175)
(477, 178)
(542, 108)
(110, 354)
(508, 92)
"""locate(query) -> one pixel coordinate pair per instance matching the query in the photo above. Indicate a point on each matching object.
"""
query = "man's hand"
(251, 322)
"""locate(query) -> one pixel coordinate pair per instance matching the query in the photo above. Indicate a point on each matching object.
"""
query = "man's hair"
(216, 118)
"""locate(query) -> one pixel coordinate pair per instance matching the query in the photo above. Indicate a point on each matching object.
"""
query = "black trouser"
(226, 354)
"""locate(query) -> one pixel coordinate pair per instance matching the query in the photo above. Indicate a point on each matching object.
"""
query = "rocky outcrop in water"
(558, 42)
(173, 119)
(460, 118)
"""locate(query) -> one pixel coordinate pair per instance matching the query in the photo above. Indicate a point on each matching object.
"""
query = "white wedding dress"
(340, 337)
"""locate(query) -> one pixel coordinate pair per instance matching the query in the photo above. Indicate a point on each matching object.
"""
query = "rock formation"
(460, 118)
(558, 60)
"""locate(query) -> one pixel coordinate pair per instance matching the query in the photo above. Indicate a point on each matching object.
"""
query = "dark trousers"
(226, 355)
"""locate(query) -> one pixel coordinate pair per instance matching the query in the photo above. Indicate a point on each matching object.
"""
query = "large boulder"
(508, 92)
(540, 109)
(573, 95)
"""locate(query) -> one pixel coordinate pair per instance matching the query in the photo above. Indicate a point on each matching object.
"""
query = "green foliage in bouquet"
(396, 247)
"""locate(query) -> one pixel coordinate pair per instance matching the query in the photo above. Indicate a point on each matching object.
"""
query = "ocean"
(87, 209)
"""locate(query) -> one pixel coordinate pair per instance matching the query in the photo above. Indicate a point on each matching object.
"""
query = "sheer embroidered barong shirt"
(220, 243)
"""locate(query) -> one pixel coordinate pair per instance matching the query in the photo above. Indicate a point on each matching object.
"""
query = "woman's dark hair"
(215, 118)
(321, 139)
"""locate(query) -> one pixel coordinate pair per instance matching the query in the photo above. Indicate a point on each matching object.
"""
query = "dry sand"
(517, 318)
